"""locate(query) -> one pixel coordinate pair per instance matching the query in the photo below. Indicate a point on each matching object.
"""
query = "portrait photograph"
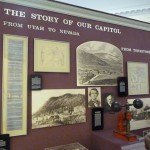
(107, 99)
(94, 97)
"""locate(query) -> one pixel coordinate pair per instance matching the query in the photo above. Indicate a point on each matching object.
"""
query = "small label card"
(4, 142)
(97, 118)
(36, 82)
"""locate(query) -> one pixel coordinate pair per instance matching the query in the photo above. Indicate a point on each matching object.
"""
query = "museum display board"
(71, 51)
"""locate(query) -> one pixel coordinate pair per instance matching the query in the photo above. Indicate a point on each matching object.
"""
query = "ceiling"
(135, 9)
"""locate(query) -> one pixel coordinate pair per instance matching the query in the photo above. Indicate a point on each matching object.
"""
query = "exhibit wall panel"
(105, 44)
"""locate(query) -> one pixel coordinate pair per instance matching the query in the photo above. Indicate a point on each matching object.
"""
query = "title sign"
(56, 20)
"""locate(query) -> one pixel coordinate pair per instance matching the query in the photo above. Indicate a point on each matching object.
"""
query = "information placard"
(97, 118)
(36, 82)
(4, 142)
(122, 86)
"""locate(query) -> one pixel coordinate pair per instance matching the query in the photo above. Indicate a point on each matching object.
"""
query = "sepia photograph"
(98, 63)
(141, 117)
(94, 96)
(58, 107)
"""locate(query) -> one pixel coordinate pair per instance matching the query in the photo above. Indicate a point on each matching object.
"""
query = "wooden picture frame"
(14, 85)
(97, 118)
(51, 56)
(138, 80)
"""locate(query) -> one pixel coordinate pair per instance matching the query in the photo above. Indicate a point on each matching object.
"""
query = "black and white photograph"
(94, 97)
(141, 117)
(98, 63)
(58, 107)
(107, 99)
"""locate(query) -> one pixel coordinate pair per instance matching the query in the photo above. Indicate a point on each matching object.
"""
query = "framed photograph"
(138, 80)
(140, 117)
(57, 107)
(51, 56)
(14, 85)
(96, 66)
(94, 96)
(107, 99)
(97, 118)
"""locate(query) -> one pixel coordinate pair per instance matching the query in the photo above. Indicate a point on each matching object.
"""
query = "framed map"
(51, 56)
(138, 82)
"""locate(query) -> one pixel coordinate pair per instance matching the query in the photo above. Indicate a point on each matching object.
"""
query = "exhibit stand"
(104, 140)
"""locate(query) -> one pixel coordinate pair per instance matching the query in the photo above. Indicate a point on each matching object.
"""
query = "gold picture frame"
(14, 85)
(138, 81)
(51, 56)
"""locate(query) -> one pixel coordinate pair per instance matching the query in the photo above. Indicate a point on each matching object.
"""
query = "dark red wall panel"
(38, 139)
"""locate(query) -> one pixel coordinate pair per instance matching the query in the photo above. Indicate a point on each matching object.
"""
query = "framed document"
(51, 56)
(14, 85)
(138, 79)
(97, 118)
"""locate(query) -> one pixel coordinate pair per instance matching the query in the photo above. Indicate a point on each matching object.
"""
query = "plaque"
(4, 142)
(97, 118)
(122, 86)
(36, 82)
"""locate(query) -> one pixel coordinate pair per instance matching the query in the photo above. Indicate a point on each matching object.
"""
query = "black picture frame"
(36, 82)
(122, 84)
(4, 141)
(97, 118)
